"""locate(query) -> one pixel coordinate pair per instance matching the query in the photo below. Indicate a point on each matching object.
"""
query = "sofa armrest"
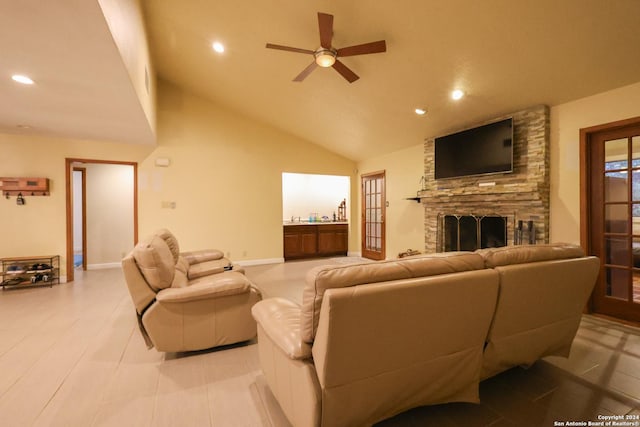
(220, 285)
(207, 268)
(280, 320)
(195, 257)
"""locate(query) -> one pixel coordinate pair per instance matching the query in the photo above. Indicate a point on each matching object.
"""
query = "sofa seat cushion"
(319, 279)
(509, 255)
(155, 261)
(218, 286)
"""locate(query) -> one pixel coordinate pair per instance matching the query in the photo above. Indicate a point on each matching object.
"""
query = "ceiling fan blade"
(363, 49)
(289, 48)
(345, 71)
(325, 24)
(303, 75)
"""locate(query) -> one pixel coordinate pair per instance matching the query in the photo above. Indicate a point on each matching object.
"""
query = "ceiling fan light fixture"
(325, 57)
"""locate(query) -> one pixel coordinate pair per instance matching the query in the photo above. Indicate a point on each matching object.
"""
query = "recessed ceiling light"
(457, 94)
(218, 47)
(22, 79)
(421, 111)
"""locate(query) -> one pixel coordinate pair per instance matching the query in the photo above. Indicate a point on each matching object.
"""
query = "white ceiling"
(505, 54)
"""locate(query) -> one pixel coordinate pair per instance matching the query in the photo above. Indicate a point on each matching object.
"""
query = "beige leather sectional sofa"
(372, 340)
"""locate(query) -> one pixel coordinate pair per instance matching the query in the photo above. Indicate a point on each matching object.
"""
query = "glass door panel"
(616, 187)
(617, 251)
(617, 283)
(635, 151)
(616, 218)
(616, 154)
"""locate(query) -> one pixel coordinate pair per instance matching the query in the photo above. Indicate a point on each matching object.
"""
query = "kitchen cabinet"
(332, 239)
(300, 241)
(315, 240)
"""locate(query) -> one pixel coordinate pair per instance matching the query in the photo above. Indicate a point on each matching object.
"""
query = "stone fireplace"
(518, 197)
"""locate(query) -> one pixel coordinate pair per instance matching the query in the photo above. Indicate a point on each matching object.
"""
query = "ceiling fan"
(327, 56)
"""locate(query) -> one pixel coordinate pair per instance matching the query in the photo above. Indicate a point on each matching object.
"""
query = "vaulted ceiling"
(505, 55)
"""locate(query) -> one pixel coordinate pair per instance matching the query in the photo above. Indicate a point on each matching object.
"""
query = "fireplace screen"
(471, 232)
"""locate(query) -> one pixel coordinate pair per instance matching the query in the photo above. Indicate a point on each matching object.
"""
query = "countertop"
(287, 223)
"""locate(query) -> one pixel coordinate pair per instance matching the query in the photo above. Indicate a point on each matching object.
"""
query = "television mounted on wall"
(485, 149)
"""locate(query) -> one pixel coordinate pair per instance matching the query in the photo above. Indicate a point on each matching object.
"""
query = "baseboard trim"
(248, 262)
(104, 266)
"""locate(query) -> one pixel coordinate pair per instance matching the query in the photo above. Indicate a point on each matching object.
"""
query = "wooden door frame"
(69, 204)
(383, 249)
(586, 139)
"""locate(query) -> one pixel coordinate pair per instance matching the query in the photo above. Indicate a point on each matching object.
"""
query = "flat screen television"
(482, 150)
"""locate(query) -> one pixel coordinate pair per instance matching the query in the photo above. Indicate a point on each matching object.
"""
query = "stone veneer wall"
(520, 195)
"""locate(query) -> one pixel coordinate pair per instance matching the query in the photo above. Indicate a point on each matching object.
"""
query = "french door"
(373, 215)
(613, 163)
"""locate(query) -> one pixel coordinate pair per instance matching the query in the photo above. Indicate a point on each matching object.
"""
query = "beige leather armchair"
(191, 301)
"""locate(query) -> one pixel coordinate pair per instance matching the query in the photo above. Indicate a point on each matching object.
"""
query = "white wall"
(109, 214)
(77, 211)
(566, 122)
(303, 194)
(405, 218)
(126, 23)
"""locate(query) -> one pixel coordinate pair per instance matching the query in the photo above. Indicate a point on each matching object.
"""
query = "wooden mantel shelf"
(521, 192)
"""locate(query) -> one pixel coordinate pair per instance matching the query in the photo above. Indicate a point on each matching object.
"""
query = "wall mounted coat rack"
(24, 186)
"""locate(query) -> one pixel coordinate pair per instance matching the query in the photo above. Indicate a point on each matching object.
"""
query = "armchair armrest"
(280, 320)
(217, 286)
(195, 257)
(207, 268)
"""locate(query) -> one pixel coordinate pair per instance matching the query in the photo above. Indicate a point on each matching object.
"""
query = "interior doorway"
(100, 197)
(80, 217)
(610, 181)
(373, 215)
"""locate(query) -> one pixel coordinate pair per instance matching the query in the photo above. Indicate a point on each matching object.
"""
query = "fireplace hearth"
(471, 232)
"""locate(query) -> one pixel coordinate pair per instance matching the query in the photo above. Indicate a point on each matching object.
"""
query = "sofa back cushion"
(171, 242)
(141, 294)
(538, 311)
(386, 347)
(155, 261)
(543, 292)
(319, 279)
(509, 255)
